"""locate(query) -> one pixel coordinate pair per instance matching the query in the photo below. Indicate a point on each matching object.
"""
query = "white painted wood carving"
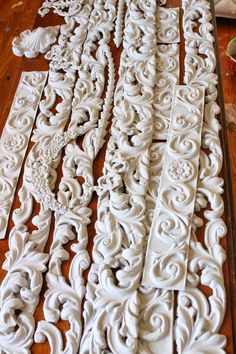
(199, 317)
(167, 250)
(15, 138)
(26, 260)
(168, 25)
(33, 43)
(111, 310)
(160, 178)
(166, 79)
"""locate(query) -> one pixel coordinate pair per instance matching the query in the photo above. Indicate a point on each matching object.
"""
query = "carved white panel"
(15, 138)
(26, 260)
(168, 25)
(167, 250)
(199, 316)
(31, 43)
(167, 77)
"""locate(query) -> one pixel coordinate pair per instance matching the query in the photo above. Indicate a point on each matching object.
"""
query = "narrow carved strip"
(118, 34)
(166, 256)
(168, 25)
(26, 259)
(15, 138)
(167, 77)
(200, 316)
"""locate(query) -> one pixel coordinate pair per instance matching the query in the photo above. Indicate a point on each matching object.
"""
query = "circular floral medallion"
(180, 170)
(14, 143)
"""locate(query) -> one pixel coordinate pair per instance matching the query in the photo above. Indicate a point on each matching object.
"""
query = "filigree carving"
(167, 250)
(32, 43)
(91, 109)
(111, 309)
(15, 138)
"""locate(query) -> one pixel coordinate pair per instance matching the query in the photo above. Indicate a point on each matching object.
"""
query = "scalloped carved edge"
(15, 138)
(62, 8)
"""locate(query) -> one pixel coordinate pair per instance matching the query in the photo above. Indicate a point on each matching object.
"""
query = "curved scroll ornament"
(15, 138)
(91, 109)
(32, 43)
(199, 317)
(166, 256)
(26, 259)
(168, 25)
(111, 309)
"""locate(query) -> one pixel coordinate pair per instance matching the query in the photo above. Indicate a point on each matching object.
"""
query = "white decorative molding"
(26, 259)
(199, 316)
(168, 25)
(156, 316)
(15, 138)
(167, 250)
(167, 77)
(91, 110)
(111, 309)
(66, 53)
(63, 8)
(32, 43)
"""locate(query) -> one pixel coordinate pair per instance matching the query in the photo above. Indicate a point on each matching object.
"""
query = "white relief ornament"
(168, 25)
(33, 43)
(167, 250)
(180, 170)
(15, 138)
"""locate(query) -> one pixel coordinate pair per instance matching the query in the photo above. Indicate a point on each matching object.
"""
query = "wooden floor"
(15, 16)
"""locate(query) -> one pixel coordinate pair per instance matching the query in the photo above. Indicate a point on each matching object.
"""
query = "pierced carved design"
(15, 138)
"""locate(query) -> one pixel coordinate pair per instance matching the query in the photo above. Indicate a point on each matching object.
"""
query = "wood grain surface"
(16, 16)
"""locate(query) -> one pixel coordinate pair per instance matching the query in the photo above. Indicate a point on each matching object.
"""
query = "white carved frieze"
(167, 250)
(35, 42)
(168, 25)
(15, 138)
